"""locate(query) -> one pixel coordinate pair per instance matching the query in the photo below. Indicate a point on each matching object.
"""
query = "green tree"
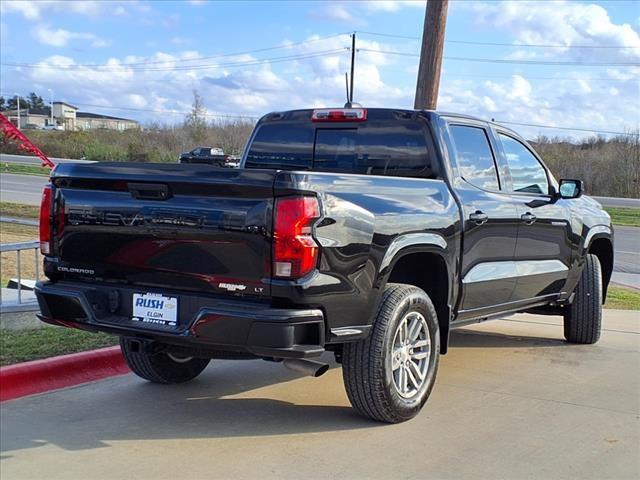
(2, 103)
(13, 103)
(195, 122)
(35, 101)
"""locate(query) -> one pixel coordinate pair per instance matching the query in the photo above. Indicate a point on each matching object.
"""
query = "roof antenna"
(346, 84)
(350, 103)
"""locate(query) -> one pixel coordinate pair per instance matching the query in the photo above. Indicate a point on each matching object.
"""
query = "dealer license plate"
(155, 308)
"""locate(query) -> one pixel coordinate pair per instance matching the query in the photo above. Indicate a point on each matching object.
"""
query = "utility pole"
(18, 97)
(435, 21)
(51, 98)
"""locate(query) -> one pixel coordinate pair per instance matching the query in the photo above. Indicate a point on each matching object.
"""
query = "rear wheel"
(161, 367)
(583, 318)
(389, 375)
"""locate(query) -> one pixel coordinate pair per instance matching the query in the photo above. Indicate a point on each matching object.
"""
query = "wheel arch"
(424, 265)
(602, 247)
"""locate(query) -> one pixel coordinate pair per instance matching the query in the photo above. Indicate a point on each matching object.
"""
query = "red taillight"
(339, 115)
(295, 252)
(45, 221)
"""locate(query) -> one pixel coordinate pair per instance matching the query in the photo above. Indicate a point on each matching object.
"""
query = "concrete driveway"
(512, 401)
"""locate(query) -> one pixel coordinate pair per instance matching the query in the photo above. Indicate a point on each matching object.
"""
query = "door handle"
(478, 217)
(528, 218)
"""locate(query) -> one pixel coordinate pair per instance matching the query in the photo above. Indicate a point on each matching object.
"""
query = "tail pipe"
(307, 367)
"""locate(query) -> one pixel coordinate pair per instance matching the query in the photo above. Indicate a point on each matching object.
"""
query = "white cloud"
(35, 9)
(137, 100)
(374, 6)
(93, 9)
(335, 12)
(353, 12)
(382, 5)
(29, 9)
(61, 37)
(254, 90)
(562, 23)
(568, 102)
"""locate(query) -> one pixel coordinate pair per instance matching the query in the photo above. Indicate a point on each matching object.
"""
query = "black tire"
(161, 367)
(367, 364)
(583, 318)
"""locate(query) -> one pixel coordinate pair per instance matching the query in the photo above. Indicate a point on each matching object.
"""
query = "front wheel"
(389, 375)
(583, 318)
(161, 367)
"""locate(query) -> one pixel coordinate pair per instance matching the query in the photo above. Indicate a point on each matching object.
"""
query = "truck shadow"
(230, 399)
(278, 402)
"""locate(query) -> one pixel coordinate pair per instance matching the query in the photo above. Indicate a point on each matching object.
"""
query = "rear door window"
(474, 156)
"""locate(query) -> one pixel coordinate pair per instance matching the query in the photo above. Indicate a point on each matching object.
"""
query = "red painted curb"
(40, 376)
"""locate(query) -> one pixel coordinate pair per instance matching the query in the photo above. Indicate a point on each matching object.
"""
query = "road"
(512, 400)
(25, 189)
(626, 269)
(618, 202)
(27, 160)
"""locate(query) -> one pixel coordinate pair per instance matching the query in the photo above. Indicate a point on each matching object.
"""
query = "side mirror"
(571, 188)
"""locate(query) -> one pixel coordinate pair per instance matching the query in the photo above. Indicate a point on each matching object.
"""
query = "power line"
(608, 132)
(222, 55)
(121, 68)
(499, 60)
(499, 44)
(528, 77)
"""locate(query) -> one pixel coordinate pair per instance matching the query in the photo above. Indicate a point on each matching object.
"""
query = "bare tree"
(196, 121)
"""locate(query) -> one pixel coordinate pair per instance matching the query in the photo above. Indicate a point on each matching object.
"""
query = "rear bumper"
(205, 323)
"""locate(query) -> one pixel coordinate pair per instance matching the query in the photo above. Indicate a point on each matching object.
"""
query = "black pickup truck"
(369, 233)
(208, 155)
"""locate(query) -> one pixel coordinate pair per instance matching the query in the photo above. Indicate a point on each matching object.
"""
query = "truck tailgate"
(190, 227)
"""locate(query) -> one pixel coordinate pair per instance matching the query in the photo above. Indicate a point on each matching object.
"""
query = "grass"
(35, 343)
(24, 169)
(19, 210)
(629, 217)
(622, 298)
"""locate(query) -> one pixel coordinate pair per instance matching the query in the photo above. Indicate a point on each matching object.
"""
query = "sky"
(561, 64)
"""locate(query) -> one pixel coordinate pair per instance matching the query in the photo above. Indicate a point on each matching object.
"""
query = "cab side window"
(527, 174)
(475, 158)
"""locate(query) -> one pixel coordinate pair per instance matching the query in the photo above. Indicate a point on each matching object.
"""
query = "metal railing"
(30, 303)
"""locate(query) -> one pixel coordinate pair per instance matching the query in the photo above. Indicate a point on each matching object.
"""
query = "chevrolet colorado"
(369, 233)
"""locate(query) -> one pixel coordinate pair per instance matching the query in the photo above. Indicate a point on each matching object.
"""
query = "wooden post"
(435, 21)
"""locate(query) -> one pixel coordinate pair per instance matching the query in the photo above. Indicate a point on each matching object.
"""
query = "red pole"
(10, 132)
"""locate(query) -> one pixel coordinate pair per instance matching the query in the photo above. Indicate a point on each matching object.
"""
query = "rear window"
(282, 146)
(391, 149)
